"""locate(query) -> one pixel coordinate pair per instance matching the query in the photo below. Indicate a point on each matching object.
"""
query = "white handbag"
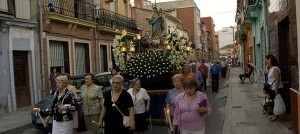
(279, 106)
(126, 119)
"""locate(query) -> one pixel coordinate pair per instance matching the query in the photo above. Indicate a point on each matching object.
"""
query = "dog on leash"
(267, 107)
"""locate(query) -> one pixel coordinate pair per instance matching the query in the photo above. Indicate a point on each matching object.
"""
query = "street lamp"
(188, 47)
(138, 37)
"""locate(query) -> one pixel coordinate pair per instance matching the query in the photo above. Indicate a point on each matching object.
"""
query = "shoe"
(274, 118)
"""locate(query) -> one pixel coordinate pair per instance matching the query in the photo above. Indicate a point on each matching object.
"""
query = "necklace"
(114, 99)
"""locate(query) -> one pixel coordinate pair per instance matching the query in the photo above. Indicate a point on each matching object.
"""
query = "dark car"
(44, 106)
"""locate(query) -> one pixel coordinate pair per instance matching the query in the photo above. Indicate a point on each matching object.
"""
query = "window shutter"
(3, 5)
(22, 9)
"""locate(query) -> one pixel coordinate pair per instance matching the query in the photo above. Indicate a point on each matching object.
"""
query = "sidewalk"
(20, 119)
(243, 112)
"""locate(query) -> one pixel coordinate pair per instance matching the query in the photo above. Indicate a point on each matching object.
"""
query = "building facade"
(18, 54)
(209, 22)
(226, 51)
(205, 39)
(78, 34)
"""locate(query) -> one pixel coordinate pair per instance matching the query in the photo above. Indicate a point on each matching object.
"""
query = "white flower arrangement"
(149, 64)
(178, 55)
(119, 56)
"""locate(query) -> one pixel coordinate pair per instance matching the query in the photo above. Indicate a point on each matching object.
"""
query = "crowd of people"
(108, 112)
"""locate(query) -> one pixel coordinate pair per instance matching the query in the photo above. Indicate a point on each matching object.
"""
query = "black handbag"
(268, 87)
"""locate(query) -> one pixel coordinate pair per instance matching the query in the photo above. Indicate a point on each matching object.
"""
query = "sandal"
(274, 118)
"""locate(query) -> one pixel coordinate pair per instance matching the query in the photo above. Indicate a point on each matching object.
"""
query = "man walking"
(203, 70)
(224, 68)
(215, 72)
(198, 76)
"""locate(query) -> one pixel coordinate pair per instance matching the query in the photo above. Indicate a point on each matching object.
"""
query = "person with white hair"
(117, 104)
(63, 107)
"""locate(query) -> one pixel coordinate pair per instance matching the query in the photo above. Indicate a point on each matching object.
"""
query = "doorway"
(21, 77)
(283, 44)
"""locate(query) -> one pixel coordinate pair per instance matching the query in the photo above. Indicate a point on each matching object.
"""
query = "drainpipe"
(42, 49)
(95, 38)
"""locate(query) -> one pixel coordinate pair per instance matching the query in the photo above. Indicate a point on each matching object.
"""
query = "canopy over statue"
(157, 22)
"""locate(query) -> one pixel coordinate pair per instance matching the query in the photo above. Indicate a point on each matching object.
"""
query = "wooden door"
(21, 75)
(284, 57)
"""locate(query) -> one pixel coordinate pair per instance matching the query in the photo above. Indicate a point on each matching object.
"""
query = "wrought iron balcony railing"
(73, 8)
(251, 2)
(113, 20)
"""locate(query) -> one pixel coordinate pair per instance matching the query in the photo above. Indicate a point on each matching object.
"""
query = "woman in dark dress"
(113, 99)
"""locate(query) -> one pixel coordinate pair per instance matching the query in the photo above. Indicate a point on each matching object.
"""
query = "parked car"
(44, 106)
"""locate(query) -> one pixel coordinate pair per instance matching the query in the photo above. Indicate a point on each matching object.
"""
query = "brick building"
(78, 34)
(209, 22)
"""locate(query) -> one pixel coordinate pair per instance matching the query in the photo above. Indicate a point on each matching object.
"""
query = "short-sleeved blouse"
(139, 100)
(113, 118)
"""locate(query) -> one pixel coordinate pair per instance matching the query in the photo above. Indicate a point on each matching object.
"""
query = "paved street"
(236, 110)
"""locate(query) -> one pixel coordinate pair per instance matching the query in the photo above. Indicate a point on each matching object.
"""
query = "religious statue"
(157, 22)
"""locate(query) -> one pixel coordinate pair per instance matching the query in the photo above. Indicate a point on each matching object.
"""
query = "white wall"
(226, 36)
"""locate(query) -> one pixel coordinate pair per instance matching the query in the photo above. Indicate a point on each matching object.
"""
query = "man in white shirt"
(223, 67)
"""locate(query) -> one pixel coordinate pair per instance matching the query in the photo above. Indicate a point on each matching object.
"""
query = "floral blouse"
(91, 99)
(68, 100)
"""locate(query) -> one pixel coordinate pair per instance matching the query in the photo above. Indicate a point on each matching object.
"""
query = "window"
(82, 62)
(22, 9)
(272, 42)
(3, 5)
(59, 56)
(103, 58)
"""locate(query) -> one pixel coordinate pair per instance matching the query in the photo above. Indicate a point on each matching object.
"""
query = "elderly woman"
(91, 96)
(139, 96)
(177, 80)
(117, 103)
(73, 89)
(192, 107)
(63, 107)
(274, 80)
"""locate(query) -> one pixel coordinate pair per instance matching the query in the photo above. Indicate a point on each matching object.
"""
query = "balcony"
(73, 12)
(110, 21)
(251, 2)
(254, 9)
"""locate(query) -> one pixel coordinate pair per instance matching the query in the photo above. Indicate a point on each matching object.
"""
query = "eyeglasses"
(116, 83)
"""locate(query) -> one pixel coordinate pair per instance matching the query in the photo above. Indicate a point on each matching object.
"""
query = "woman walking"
(192, 107)
(91, 96)
(117, 104)
(139, 96)
(63, 107)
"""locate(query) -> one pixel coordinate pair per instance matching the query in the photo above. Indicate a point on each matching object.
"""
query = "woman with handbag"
(192, 107)
(118, 112)
(274, 80)
(63, 107)
(139, 96)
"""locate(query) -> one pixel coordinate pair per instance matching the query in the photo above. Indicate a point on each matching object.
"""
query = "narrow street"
(236, 110)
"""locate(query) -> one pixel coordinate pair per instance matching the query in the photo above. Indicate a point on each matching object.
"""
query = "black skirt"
(140, 122)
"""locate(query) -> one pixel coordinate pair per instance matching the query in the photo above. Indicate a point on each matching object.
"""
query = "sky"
(222, 11)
